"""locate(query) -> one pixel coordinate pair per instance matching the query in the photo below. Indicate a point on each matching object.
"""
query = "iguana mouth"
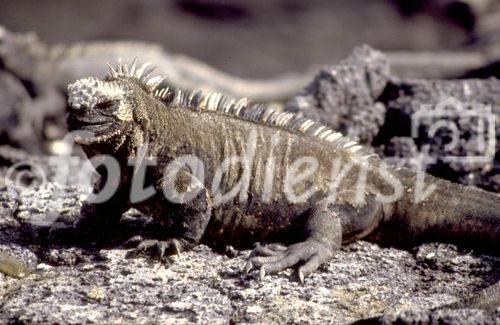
(93, 123)
(89, 130)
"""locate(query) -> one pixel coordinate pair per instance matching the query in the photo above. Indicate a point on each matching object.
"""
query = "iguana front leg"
(96, 218)
(324, 236)
(189, 232)
(190, 220)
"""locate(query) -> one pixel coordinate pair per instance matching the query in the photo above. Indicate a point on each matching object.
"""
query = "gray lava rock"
(9, 225)
(432, 112)
(116, 290)
(29, 122)
(343, 95)
(359, 98)
(13, 96)
(97, 283)
(446, 316)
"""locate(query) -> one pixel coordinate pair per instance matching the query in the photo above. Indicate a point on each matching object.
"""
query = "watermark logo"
(468, 131)
(25, 175)
(49, 175)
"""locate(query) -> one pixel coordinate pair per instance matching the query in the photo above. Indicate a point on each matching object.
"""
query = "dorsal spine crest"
(241, 108)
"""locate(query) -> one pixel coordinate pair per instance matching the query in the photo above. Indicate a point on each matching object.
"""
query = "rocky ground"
(43, 281)
(98, 283)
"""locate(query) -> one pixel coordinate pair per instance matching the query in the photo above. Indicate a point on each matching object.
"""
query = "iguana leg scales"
(324, 233)
(268, 250)
(311, 253)
(259, 261)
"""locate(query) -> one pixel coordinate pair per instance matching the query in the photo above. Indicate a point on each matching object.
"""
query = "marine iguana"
(228, 172)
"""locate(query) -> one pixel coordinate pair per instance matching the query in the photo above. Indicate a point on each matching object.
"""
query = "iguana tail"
(433, 209)
(487, 299)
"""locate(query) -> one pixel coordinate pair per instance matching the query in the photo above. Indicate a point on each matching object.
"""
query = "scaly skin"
(128, 110)
(486, 299)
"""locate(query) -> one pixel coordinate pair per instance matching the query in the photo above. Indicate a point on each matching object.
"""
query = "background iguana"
(44, 66)
(130, 115)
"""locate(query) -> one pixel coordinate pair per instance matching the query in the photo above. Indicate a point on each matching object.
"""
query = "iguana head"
(111, 112)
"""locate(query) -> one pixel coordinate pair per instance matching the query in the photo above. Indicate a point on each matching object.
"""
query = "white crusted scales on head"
(91, 91)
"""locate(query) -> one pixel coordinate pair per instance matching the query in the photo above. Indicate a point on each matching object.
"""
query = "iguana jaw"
(83, 139)
(94, 133)
(89, 129)
(98, 112)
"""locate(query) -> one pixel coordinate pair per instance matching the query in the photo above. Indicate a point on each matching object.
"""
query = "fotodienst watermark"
(449, 115)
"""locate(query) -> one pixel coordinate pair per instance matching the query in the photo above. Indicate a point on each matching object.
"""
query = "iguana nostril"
(77, 109)
(75, 106)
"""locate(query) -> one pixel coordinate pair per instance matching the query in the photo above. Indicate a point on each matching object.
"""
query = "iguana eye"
(105, 104)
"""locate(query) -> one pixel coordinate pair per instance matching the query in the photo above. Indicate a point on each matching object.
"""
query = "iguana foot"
(160, 249)
(274, 258)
